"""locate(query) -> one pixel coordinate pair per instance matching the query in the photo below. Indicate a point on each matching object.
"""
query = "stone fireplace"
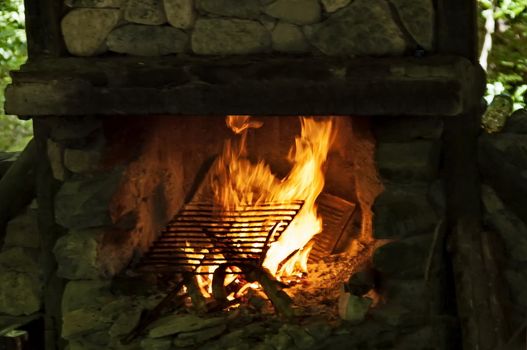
(129, 100)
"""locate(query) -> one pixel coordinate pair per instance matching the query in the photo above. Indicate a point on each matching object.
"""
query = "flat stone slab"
(257, 85)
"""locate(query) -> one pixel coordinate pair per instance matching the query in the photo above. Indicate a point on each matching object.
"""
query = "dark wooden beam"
(479, 305)
(44, 37)
(457, 30)
(435, 85)
(49, 231)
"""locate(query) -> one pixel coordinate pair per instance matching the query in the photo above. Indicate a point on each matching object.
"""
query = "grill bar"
(202, 235)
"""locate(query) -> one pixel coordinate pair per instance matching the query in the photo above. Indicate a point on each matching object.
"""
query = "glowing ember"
(238, 182)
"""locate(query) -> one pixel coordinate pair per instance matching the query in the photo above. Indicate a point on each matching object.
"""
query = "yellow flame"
(239, 182)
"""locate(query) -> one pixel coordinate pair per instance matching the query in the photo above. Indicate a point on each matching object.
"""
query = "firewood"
(198, 300)
(472, 288)
(273, 289)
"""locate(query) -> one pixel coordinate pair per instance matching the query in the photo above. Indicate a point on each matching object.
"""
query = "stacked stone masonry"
(241, 27)
(503, 168)
(21, 276)
(408, 219)
(99, 309)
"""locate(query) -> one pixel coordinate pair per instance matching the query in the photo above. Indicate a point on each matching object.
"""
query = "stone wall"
(503, 167)
(241, 27)
(20, 274)
(408, 222)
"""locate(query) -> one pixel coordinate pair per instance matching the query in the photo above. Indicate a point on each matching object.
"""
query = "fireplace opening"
(247, 232)
(267, 218)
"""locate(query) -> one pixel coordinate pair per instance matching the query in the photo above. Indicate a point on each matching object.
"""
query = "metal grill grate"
(336, 214)
(204, 235)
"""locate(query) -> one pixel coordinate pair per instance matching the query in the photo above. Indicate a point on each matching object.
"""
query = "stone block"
(299, 12)
(319, 330)
(513, 147)
(6, 160)
(200, 336)
(82, 344)
(394, 315)
(145, 40)
(403, 129)
(180, 13)
(229, 37)
(82, 160)
(149, 12)
(361, 282)
(281, 341)
(80, 322)
(411, 294)
(501, 162)
(289, 38)
(156, 344)
(85, 30)
(175, 324)
(334, 5)
(417, 160)
(20, 293)
(516, 123)
(85, 202)
(126, 322)
(405, 258)
(249, 9)
(364, 28)
(497, 112)
(71, 129)
(55, 153)
(423, 338)
(95, 3)
(85, 294)
(418, 17)
(22, 231)
(403, 211)
(77, 255)
(512, 230)
(100, 338)
(20, 260)
(353, 308)
(301, 338)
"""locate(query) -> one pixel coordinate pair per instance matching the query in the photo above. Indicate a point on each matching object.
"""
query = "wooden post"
(44, 37)
(49, 231)
(478, 304)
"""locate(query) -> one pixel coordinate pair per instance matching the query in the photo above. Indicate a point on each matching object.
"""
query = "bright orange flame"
(239, 182)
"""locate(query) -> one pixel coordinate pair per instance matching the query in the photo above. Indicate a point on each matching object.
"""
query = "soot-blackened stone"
(516, 123)
(361, 282)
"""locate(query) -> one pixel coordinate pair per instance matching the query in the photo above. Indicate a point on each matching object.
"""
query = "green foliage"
(14, 133)
(507, 69)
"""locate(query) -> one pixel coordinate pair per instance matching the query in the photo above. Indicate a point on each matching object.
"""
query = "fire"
(239, 182)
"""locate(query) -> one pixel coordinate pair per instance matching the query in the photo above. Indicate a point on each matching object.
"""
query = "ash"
(317, 293)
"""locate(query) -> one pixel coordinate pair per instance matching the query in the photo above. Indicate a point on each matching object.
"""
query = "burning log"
(198, 301)
(273, 289)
